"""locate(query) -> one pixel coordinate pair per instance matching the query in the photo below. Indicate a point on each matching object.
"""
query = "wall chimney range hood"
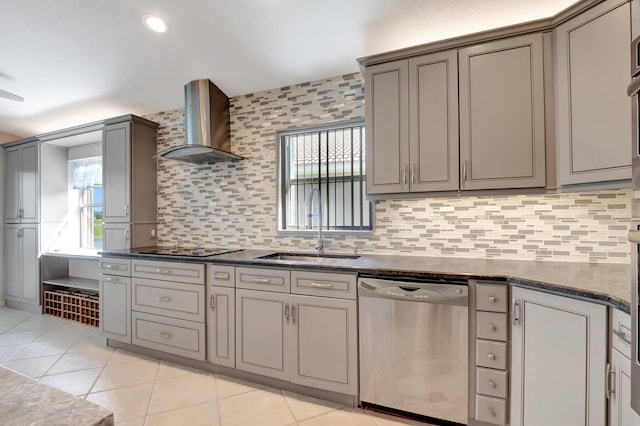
(206, 122)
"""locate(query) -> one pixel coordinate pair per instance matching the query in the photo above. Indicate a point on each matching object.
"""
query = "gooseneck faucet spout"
(316, 191)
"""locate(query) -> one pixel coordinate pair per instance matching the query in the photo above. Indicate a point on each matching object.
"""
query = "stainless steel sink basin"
(310, 257)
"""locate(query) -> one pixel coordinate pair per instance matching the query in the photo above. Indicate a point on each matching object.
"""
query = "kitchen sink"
(309, 257)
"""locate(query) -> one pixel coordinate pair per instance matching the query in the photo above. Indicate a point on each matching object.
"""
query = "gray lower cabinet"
(21, 264)
(115, 299)
(619, 372)
(221, 319)
(308, 340)
(502, 129)
(558, 359)
(593, 112)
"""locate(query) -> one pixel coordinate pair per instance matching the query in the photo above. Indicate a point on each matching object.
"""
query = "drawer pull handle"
(111, 266)
(164, 335)
(492, 327)
(491, 357)
(112, 279)
(492, 299)
(163, 271)
(286, 311)
(623, 336)
(322, 285)
(163, 299)
(293, 313)
(492, 384)
(221, 275)
(261, 280)
(212, 302)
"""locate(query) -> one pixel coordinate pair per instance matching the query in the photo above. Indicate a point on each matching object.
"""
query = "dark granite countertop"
(600, 282)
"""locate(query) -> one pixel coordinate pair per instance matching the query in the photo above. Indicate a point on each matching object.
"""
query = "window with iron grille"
(331, 159)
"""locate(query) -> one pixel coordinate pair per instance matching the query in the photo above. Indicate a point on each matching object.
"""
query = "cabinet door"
(12, 261)
(620, 404)
(221, 326)
(12, 185)
(263, 333)
(29, 186)
(502, 141)
(433, 120)
(116, 236)
(116, 169)
(387, 124)
(324, 343)
(593, 111)
(557, 361)
(115, 307)
(30, 265)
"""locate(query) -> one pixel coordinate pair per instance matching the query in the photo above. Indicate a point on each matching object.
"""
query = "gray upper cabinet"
(502, 133)
(129, 177)
(22, 183)
(593, 111)
(412, 125)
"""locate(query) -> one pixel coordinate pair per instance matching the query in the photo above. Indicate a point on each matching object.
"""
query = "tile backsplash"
(233, 204)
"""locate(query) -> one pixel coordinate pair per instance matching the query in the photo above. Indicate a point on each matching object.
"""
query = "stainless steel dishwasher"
(414, 346)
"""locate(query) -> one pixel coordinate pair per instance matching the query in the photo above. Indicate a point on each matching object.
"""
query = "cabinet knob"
(491, 357)
(492, 327)
(492, 299)
(492, 412)
(492, 384)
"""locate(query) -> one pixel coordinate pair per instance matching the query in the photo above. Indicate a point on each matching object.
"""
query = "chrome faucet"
(320, 245)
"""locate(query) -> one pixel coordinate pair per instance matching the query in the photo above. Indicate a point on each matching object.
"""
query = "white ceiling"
(77, 61)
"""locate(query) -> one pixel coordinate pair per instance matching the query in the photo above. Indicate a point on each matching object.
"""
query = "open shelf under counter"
(91, 254)
(74, 283)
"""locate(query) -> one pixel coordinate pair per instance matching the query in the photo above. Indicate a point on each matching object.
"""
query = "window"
(91, 218)
(86, 175)
(331, 159)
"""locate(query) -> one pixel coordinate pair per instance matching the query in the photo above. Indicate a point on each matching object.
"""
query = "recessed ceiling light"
(155, 23)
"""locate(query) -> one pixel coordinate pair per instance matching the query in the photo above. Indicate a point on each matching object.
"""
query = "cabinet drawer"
(621, 332)
(491, 382)
(115, 266)
(491, 410)
(278, 280)
(175, 300)
(323, 284)
(169, 271)
(492, 297)
(491, 354)
(179, 337)
(491, 326)
(221, 276)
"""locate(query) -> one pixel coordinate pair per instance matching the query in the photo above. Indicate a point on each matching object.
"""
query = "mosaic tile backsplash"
(233, 204)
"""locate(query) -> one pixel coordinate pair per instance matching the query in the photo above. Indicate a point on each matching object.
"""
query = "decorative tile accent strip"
(233, 204)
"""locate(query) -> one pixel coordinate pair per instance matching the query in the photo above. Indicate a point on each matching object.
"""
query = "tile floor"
(146, 391)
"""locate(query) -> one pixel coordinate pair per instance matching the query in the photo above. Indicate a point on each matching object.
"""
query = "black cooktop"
(182, 251)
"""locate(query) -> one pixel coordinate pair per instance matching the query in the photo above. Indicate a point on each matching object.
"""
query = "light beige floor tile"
(76, 383)
(305, 407)
(198, 415)
(230, 386)
(88, 341)
(32, 367)
(132, 422)
(36, 323)
(9, 338)
(344, 417)
(127, 374)
(7, 352)
(265, 407)
(62, 331)
(381, 419)
(126, 403)
(182, 391)
(80, 361)
(120, 356)
(43, 348)
(168, 369)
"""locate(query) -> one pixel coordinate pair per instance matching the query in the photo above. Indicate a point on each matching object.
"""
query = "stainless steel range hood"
(206, 120)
